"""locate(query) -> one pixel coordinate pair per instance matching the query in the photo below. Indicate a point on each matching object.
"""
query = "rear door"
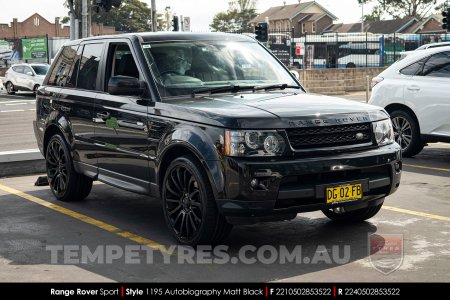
(17, 75)
(28, 78)
(80, 82)
(428, 94)
(121, 125)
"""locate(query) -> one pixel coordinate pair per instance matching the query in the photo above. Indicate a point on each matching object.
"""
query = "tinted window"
(89, 64)
(18, 69)
(415, 68)
(73, 73)
(438, 65)
(61, 67)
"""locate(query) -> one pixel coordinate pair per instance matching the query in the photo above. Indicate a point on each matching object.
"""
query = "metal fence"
(345, 50)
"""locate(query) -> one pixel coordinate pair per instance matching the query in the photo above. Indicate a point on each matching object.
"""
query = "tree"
(236, 18)
(402, 8)
(131, 16)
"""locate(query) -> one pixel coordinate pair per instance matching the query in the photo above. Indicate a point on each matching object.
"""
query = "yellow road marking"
(416, 213)
(86, 219)
(425, 167)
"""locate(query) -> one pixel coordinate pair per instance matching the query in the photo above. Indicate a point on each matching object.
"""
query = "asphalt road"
(31, 221)
(17, 113)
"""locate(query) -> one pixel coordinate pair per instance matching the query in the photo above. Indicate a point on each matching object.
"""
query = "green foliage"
(236, 18)
(131, 16)
(401, 8)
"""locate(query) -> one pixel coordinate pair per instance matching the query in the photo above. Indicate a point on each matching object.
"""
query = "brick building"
(36, 25)
(303, 17)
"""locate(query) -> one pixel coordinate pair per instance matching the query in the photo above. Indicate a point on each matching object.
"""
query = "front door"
(121, 127)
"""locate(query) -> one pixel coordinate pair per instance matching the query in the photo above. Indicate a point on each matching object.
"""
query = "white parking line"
(16, 101)
(9, 111)
(33, 109)
(13, 104)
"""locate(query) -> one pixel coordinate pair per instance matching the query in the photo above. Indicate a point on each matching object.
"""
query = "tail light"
(376, 80)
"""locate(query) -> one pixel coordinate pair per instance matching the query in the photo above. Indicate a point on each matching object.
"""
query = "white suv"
(25, 77)
(416, 92)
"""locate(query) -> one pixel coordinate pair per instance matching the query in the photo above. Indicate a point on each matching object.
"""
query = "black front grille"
(329, 136)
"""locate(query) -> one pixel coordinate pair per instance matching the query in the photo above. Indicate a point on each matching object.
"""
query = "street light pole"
(154, 17)
(362, 17)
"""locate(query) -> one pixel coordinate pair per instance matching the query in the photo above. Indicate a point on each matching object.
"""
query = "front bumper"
(286, 187)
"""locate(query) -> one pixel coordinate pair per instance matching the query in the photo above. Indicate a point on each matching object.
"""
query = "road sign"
(187, 24)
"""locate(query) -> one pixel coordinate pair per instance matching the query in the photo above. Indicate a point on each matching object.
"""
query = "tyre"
(189, 206)
(353, 216)
(350, 65)
(10, 88)
(65, 183)
(407, 133)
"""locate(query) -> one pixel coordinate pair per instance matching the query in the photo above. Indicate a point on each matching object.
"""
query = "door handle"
(104, 115)
(413, 88)
(65, 108)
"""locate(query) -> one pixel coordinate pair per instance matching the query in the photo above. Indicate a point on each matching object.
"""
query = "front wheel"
(406, 133)
(189, 205)
(353, 216)
(65, 183)
(10, 88)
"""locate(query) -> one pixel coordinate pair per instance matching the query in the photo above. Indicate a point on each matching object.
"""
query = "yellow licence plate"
(344, 193)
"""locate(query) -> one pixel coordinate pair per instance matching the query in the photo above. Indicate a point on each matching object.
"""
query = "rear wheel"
(189, 206)
(407, 133)
(353, 216)
(65, 183)
(10, 88)
(350, 65)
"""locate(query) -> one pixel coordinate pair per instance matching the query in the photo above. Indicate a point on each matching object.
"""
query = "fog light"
(254, 183)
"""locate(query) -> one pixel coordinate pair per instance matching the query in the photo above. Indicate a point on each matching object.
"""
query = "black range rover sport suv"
(213, 125)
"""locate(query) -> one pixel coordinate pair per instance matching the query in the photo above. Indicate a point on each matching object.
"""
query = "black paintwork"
(147, 132)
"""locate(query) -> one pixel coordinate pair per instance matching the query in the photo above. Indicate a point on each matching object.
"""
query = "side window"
(89, 65)
(60, 71)
(120, 62)
(73, 73)
(18, 69)
(438, 65)
(415, 68)
(26, 70)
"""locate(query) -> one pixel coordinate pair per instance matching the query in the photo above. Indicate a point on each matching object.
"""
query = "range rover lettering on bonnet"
(329, 121)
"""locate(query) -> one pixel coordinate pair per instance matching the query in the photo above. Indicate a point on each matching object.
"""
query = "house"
(302, 17)
(432, 24)
(36, 25)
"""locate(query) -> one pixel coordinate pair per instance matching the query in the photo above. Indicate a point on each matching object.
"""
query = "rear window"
(18, 69)
(415, 68)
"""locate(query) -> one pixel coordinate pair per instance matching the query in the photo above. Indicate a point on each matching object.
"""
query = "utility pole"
(84, 19)
(362, 17)
(154, 16)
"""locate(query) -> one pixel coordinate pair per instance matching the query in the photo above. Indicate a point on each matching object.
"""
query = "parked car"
(213, 125)
(433, 45)
(25, 77)
(415, 92)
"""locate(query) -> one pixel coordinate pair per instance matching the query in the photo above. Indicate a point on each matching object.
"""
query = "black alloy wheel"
(189, 205)
(65, 183)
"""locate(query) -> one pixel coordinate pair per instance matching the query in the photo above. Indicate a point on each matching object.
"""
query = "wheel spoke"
(193, 194)
(177, 208)
(175, 183)
(192, 222)
(171, 190)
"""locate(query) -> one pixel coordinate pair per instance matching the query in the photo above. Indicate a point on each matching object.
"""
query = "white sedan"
(415, 91)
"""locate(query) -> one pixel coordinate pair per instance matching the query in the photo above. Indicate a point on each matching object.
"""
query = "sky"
(200, 11)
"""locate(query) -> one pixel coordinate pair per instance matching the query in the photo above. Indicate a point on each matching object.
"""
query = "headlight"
(254, 143)
(384, 133)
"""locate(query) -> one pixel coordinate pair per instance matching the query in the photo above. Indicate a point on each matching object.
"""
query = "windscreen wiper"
(219, 89)
(276, 86)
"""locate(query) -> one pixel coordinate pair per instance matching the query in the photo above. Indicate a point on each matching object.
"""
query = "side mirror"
(125, 85)
(295, 73)
(29, 73)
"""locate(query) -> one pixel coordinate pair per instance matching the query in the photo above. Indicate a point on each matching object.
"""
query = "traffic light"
(175, 24)
(446, 19)
(262, 32)
(106, 5)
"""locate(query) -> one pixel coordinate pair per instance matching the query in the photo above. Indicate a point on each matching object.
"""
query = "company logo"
(359, 136)
(385, 251)
(340, 120)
